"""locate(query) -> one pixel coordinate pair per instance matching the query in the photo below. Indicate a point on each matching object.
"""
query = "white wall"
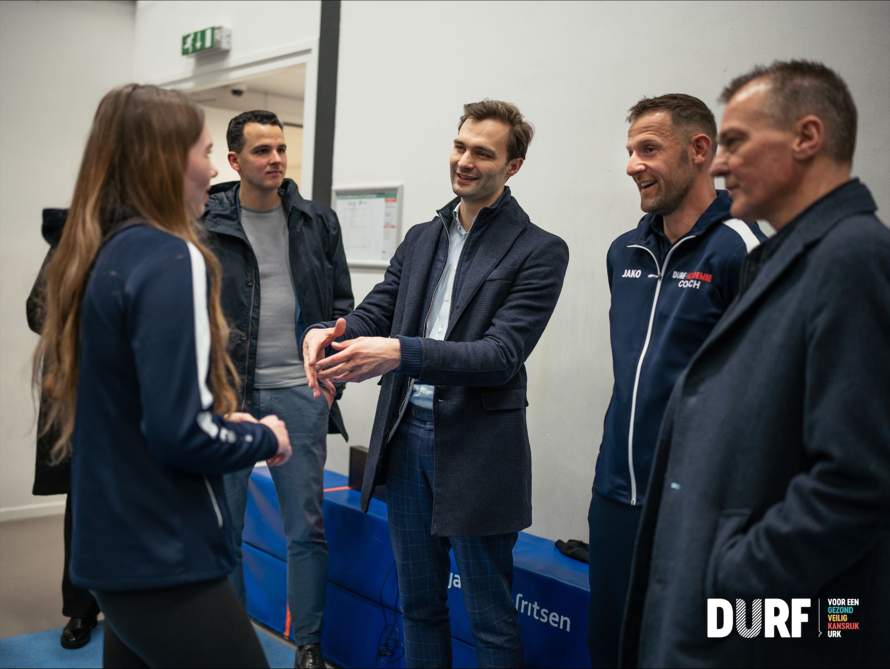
(58, 60)
(574, 69)
(259, 30)
(264, 35)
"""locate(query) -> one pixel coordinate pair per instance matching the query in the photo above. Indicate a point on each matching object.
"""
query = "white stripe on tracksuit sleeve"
(170, 337)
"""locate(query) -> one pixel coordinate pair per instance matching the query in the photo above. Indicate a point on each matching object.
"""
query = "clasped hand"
(355, 360)
(277, 426)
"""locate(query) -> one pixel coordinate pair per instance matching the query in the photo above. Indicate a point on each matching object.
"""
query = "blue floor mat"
(42, 649)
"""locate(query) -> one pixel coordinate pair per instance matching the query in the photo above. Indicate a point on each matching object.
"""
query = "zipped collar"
(501, 205)
(651, 225)
(223, 212)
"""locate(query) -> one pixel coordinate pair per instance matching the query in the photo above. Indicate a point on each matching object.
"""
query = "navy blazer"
(507, 283)
(772, 474)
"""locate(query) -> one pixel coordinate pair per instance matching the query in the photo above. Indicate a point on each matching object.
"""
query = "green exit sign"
(216, 38)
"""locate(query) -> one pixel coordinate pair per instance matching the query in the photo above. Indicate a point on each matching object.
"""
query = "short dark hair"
(686, 111)
(235, 132)
(801, 87)
(521, 131)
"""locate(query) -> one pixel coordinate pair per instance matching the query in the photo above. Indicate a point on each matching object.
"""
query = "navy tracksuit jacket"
(148, 454)
(665, 300)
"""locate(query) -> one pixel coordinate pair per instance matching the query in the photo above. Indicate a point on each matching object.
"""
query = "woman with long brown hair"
(136, 381)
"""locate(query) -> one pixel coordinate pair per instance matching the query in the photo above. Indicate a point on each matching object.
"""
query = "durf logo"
(769, 616)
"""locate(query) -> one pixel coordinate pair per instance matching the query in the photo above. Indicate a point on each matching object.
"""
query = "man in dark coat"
(463, 303)
(766, 537)
(78, 605)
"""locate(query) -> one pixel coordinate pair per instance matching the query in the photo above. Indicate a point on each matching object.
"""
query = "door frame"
(304, 53)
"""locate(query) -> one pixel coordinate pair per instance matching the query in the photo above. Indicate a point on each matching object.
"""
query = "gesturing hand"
(284, 448)
(360, 358)
(314, 344)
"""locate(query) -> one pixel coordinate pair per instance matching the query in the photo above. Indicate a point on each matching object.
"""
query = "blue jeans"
(299, 484)
(485, 563)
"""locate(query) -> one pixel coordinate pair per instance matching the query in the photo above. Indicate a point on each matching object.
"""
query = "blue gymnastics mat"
(363, 626)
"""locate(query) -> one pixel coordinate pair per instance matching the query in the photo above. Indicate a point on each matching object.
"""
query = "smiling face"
(479, 164)
(756, 157)
(199, 171)
(262, 161)
(659, 162)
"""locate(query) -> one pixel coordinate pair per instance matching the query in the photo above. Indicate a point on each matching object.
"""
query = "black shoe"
(309, 657)
(77, 633)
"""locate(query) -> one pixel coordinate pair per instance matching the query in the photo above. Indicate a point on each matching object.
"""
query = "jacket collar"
(652, 225)
(848, 199)
(504, 204)
(486, 246)
(810, 226)
(223, 212)
(495, 230)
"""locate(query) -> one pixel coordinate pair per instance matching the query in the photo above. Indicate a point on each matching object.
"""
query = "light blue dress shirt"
(437, 323)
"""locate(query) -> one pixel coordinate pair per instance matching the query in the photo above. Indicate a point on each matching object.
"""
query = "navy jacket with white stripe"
(148, 454)
(664, 305)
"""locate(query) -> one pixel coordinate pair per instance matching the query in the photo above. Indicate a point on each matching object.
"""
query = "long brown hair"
(134, 161)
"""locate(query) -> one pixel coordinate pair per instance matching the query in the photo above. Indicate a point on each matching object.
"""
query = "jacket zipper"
(426, 319)
(216, 510)
(633, 401)
(253, 288)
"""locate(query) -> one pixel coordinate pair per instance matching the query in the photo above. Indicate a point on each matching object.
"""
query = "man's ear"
(809, 137)
(233, 161)
(513, 166)
(701, 148)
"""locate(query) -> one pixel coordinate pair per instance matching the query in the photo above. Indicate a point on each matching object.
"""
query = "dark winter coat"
(49, 479)
(507, 282)
(317, 264)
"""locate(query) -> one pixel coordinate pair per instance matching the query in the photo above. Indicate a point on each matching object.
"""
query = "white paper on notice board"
(369, 220)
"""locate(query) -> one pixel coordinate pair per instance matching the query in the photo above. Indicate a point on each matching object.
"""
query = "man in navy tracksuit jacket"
(671, 278)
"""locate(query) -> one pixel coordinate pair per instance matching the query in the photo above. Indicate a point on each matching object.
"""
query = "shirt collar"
(456, 222)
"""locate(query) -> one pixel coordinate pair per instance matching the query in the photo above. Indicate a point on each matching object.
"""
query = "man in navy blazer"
(463, 303)
(765, 540)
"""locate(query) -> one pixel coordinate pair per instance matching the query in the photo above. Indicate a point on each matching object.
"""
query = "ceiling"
(288, 82)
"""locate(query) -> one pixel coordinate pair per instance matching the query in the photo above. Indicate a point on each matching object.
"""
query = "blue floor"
(43, 650)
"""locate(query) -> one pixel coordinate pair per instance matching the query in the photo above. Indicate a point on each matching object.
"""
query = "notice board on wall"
(370, 221)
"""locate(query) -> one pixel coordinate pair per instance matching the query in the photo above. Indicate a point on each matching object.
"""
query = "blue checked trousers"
(485, 563)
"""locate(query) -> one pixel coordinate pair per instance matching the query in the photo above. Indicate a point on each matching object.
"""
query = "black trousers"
(194, 625)
(76, 602)
(613, 531)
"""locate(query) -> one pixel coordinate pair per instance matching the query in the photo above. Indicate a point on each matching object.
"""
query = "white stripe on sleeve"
(743, 231)
(202, 337)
